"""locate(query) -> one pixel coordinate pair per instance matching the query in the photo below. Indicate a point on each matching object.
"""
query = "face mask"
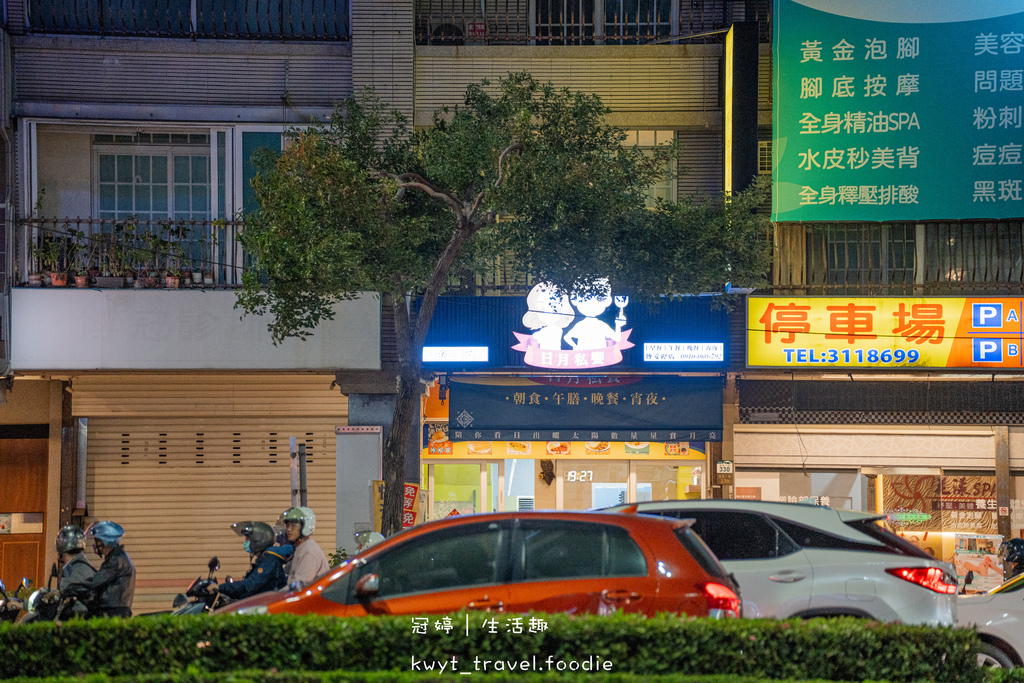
(96, 549)
(245, 546)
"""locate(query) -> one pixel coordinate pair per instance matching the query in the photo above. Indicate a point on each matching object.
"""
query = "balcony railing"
(584, 22)
(247, 19)
(128, 252)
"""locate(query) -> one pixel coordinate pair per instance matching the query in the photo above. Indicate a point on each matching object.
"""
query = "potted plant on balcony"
(145, 246)
(54, 258)
(113, 259)
(86, 256)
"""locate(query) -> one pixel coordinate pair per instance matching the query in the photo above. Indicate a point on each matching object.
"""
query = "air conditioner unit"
(524, 502)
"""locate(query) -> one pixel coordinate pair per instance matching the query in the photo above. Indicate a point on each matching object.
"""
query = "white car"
(998, 615)
(802, 560)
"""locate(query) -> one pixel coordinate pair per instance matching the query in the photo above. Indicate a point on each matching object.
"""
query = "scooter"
(50, 604)
(11, 606)
(203, 602)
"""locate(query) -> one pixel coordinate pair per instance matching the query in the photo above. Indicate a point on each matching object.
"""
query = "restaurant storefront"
(558, 404)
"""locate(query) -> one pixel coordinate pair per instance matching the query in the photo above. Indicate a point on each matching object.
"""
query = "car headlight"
(255, 609)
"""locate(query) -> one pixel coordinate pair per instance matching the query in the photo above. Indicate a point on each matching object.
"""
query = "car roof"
(821, 517)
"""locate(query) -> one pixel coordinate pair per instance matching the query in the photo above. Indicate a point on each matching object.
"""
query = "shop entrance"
(469, 486)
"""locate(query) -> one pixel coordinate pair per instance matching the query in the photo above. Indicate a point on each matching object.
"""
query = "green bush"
(830, 649)
(251, 676)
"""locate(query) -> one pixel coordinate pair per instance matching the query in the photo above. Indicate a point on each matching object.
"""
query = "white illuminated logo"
(455, 354)
(684, 352)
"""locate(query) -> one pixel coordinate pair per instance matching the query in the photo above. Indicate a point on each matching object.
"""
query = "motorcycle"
(50, 604)
(203, 602)
(11, 606)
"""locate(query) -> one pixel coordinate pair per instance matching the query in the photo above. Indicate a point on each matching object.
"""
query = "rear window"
(893, 543)
(696, 546)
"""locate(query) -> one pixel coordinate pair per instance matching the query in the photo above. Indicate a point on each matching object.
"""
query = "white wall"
(91, 329)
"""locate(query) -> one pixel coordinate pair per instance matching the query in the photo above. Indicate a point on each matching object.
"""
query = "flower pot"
(208, 279)
(148, 282)
(81, 281)
(35, 280)
(59, 279)
(109, 281)
(197, 278)
(171, 282)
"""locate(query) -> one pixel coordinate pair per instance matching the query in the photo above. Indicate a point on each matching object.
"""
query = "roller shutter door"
(177, 484)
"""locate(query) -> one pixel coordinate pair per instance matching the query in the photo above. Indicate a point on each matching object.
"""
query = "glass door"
(463, 487)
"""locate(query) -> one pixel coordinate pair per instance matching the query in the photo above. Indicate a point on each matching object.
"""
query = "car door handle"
(620, 595)
(787, 577)
(487, 605)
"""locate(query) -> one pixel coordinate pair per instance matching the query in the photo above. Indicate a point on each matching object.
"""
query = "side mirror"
(53, 571)
(25, 583)
(367, 587)
(179, 600)
(3, 588)
(214, 564)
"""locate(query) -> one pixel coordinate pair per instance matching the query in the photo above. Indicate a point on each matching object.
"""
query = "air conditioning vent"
(524, 502)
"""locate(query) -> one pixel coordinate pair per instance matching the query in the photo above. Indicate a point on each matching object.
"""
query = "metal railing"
(246, 19)
(584, 22)
(134, 248)
(962, 257)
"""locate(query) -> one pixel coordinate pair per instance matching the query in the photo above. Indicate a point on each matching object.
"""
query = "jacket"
(78, 570)
(308, 563)
(113, 585)
(266, 574)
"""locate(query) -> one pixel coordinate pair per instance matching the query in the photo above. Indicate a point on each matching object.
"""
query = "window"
(764, 157)
(307, 19)
(806, 537)
(467, 555)
(153, 176)
(857, 255)
(737, 535)
(611, 22)
(566, 550)
(665, 187)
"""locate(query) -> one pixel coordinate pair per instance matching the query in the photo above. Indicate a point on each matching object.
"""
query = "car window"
(734, 535)
(808, 537)
(462, 556)
(700, 552)
(564, 550)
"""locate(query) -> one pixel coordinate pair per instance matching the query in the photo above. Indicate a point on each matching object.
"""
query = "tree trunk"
(395, 448)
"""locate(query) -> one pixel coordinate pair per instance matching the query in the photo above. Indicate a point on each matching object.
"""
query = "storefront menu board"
(885, 332)
(904, 110)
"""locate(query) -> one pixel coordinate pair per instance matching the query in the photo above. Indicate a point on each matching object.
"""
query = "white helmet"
(302, 515)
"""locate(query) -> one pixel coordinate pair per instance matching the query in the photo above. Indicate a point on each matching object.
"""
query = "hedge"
(252, 676)
(830, 649)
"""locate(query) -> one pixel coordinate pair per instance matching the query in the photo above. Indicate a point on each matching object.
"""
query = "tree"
(360, 204)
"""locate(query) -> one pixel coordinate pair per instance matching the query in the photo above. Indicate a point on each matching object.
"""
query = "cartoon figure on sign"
(593, 343)
(549, 313)
(592, 333)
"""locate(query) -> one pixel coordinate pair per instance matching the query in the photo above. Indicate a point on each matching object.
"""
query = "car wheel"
(992, 657)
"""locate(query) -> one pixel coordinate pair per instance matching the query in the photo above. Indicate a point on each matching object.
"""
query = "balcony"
(303, 20)
(584, 22)
(119, 253)
(901, 259)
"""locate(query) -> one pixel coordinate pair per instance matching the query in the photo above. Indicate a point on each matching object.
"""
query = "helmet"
(367, 539)
(259, 534)
(70, 538)
(302, 515)
(1014, 550)
(106, 532)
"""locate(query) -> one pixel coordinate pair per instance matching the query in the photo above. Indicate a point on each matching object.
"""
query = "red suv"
(576, 562)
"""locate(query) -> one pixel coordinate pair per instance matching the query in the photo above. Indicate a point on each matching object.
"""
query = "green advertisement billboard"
(898, 110)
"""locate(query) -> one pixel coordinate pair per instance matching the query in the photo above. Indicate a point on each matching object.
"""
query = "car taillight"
(722, 602)
(931, 578)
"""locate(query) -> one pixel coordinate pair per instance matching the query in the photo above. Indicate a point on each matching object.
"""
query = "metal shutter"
(700, 164)
(176, 459)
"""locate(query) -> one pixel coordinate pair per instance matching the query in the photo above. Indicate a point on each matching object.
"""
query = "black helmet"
(69, 539)
(260, 535)
(1014, 550)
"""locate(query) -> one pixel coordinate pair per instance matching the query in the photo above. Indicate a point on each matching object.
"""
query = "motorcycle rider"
(267, 563)
(1013, 558)
(76, 569)
(367, 539)
(113, 584)
(309, 561)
